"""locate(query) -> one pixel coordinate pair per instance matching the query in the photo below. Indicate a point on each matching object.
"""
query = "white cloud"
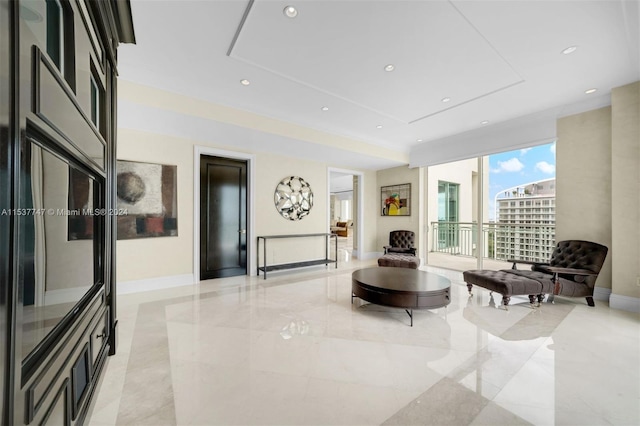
(523, 151)
(511, 165)
(545, 167)
(552, 148)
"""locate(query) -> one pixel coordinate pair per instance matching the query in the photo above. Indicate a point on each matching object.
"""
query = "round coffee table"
(401, 288)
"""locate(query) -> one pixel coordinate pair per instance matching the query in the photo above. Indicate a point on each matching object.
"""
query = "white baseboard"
(149, 284)
(601, 293)
(625, 303)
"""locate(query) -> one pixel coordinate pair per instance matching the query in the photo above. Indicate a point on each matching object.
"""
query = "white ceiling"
(495, 60)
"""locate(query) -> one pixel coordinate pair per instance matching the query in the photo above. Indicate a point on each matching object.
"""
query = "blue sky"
(518, 167)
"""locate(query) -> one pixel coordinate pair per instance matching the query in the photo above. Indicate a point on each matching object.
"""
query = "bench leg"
(532, 300)
(540, 299)
(469, 286)
(505, 302)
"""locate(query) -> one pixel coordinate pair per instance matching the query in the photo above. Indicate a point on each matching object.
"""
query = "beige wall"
(169, 256)
(371, 212)
(157, 142)
(146, 258)
(625, 189)
(583, 181)
(270, 170)
(598, 188)
(386, 224)
(162, 256)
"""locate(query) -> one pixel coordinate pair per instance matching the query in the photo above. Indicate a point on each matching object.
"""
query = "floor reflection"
(292, 349)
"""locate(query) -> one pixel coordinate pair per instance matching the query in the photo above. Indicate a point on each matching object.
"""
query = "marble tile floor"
(293, 350)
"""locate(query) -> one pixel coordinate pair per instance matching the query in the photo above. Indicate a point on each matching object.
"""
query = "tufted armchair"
(574, 267)
(401, 242)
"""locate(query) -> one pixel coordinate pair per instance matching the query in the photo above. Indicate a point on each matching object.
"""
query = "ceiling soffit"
(341, 49)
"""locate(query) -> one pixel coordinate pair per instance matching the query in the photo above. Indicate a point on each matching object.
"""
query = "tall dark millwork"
(57, 193)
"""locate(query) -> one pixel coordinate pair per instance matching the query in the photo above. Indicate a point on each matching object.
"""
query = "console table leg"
(264, 258)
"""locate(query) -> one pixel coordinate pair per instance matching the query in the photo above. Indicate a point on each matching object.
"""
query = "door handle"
(243, 231)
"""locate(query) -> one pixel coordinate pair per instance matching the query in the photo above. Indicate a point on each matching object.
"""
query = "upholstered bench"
(399, 260)
(510, 283)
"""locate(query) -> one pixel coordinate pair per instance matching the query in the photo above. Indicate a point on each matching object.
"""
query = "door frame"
(232, 155)
(360, 253)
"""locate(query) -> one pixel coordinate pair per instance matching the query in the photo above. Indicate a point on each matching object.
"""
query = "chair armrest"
(555, 270)
(568, 271)
(525, 262)
(392, 249)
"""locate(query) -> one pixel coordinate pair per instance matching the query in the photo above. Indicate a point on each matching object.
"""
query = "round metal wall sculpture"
(293, 198)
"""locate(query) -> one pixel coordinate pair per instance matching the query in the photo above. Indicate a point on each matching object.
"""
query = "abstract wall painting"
(147, 192)
(396, 200)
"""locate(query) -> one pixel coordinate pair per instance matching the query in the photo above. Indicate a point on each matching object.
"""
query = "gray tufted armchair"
(574, 267)
(401, 242)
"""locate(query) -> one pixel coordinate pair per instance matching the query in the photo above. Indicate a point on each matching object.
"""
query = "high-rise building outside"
(525, 221)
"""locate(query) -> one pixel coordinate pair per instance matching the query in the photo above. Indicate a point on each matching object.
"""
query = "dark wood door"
(223, 217)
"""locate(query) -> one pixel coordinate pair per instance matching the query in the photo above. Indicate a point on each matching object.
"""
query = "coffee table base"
(409, 311)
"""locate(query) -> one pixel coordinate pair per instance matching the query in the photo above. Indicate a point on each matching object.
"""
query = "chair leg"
(590, 301)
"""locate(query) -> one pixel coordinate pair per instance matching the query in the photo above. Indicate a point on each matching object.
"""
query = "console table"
(326, 261)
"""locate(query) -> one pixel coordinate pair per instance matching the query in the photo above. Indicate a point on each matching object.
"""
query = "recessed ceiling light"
(445, 100)
(245, 82)
(325, 108)
(484, 122)
(590, 91)
(379, 126)
(290, 12)
(389, 68)
(569, 50)
(418, 140)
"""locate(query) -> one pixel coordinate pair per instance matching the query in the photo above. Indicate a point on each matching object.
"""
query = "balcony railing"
(502, 241)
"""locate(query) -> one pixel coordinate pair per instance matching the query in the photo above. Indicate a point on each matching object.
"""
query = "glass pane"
(523, 212)
(442, 203)
(54, 32)
(452, 202)
(58, 250)
(94, 102)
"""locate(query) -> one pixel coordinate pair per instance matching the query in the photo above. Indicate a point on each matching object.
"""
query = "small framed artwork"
(396, 200)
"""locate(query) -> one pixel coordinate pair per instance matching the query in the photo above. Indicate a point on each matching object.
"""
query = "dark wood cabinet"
(58, 318)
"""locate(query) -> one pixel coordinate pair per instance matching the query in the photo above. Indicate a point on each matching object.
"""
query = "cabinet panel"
(99, 336)
(57, 313)
(56, 106)
(59, 362)
(59, 413)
